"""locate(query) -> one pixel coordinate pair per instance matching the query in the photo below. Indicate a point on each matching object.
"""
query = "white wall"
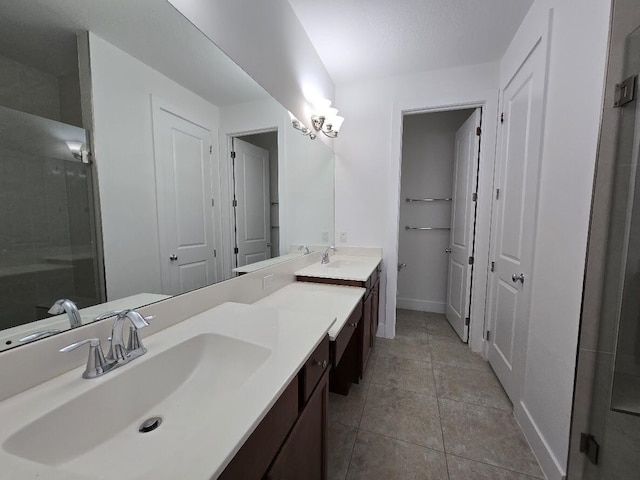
(368, 155)
(252, 31)
(123, 150)
(428, 153)
(305, 174)
(578, 42)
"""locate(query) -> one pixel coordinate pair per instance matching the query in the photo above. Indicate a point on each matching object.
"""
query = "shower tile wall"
(28, 89)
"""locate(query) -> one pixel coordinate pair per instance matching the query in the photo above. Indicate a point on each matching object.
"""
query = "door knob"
(173, 257)
(448, 250)
(517, 278)
(401, 266)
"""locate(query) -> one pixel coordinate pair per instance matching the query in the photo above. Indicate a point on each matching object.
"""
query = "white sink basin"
(345, 267)
(97, 431)
(342, 264)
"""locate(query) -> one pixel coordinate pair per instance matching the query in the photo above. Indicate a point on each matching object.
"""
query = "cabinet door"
(366, 333)
(375, 312)
(304, 454)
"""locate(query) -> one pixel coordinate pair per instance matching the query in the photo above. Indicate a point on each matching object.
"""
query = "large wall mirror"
(137, 162)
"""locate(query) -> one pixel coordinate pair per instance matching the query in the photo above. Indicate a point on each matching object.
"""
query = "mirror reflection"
(137, 162)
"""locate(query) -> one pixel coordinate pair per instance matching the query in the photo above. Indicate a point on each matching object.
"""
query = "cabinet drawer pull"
(354, 325)
(322, 364)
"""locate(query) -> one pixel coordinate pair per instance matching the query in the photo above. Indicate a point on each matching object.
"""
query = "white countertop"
(205, 439)
(252, 267)
(336, 301)
(343, 267)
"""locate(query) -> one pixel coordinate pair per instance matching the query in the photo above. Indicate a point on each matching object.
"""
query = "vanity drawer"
(348, 330)
(253, 459)
(314, 368)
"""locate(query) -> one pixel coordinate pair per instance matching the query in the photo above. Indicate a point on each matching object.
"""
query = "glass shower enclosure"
(48, 240)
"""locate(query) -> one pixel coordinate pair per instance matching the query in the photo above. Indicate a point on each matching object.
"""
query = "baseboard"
(551, 467)
(420, 305)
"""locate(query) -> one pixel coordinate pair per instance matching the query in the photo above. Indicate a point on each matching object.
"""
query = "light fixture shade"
(292, 117)
(336, 123)
(322, 107)
(330, 113)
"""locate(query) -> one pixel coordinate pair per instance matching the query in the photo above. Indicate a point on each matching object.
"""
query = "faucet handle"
(96, 363)
(38, 335)
(134, 344)
(108, 314)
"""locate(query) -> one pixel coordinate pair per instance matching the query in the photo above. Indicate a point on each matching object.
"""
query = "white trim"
(550, 465)
(421, 305)
(488, 100)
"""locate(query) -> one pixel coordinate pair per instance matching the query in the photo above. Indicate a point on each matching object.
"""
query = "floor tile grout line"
(445, 397)
(496, 466)
(400, 440)
(435, 385)
(476, 404)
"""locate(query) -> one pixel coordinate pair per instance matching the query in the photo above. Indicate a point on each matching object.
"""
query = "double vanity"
(238, 391)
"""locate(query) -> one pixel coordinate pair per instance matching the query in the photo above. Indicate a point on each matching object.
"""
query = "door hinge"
(470, 260)
(233, 154)
(235, 250)
(488, 335)
(215, 253)
(625, 92)
(474, 197)
(493, 266)
(589, 447)
(213, 202)
(234, 203)
(210, 148)
(497, 193)
(502, 117)
(478, 131)
(467, 321)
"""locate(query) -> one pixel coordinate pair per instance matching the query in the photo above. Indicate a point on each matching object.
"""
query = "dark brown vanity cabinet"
(291, 440)
(353, 345)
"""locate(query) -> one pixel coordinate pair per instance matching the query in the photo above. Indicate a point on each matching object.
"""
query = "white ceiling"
(42, 33)
(359, 39)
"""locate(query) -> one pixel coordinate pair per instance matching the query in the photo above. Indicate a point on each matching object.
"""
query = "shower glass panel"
(625, 394)
(47, 223)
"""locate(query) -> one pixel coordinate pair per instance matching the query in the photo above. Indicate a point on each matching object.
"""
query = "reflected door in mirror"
(185, 215)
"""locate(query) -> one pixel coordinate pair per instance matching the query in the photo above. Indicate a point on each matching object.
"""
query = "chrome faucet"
(119, 354)
(306, 249)
(65, 305)
(325, 255)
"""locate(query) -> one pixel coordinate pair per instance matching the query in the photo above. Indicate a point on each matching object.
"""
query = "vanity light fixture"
(326, 119)
(79, 151)
(299, 126)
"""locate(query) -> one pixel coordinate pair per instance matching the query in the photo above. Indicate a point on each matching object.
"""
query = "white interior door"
(517, 176)
(252, 210)
(184, 197)
(465, 179)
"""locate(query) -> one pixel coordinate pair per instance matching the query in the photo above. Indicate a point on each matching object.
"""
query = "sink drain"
(150, 424)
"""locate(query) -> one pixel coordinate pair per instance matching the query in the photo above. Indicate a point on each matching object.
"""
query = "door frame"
(488, 102)
(157, 106)
(229, 237)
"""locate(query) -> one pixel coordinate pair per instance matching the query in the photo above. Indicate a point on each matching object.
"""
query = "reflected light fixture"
(78, 150)
(299, 126)
(326, 119)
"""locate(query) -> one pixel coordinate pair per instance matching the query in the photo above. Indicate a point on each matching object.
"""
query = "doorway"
(436, 236)
(254, 191)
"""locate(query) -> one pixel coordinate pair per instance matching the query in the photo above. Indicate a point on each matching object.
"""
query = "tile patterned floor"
(427, 409)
